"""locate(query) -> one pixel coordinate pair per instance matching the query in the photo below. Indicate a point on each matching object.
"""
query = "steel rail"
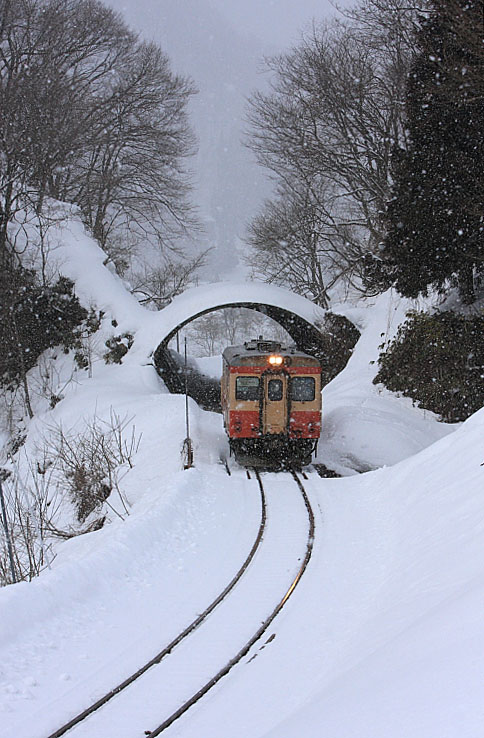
(177, 640)
(261, 630)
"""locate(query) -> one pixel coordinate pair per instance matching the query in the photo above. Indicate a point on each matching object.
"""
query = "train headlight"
(275, 360)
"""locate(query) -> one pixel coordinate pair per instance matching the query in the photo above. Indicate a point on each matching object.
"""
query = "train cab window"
(274, 389)
(303, 389)
(247, 388)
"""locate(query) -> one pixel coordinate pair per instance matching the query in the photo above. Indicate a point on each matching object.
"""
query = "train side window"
(274, 389)
(247, 388)
(303, 389)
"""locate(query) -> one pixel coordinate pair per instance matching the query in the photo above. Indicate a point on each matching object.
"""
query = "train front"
(271, 402)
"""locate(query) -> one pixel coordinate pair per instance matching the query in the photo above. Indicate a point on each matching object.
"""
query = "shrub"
(91, 463)
(87, 467)
(118, 346)
(438, 361)
(81, 341)
(26, 544)
(34, 317)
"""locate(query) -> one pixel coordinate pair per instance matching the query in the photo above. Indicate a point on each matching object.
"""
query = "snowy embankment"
(366, 427)
(383, 636)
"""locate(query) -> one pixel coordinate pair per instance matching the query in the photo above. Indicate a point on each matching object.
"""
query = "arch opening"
(205, 390)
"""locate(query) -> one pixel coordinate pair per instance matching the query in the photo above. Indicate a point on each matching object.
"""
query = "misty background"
(221, 45)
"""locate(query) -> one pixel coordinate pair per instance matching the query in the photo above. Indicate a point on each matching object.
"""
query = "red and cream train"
(271, 402)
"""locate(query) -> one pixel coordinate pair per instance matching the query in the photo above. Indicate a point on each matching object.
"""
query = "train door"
(274, 405)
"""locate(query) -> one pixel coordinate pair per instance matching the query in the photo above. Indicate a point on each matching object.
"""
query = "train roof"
(261, 347)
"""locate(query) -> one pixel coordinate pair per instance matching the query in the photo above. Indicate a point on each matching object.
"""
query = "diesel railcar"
(271, 402)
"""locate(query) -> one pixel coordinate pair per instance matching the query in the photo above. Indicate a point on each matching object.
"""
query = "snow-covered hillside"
(383, 636)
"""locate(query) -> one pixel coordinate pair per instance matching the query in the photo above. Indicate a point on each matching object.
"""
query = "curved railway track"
(98, 704)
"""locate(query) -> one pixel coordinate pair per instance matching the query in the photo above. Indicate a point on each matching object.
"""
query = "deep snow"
(383, 636)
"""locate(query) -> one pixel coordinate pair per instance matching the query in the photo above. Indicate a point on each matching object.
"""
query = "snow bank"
(365, 426)
(412, 665)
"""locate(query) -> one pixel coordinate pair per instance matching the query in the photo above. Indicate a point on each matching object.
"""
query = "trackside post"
(187, 443)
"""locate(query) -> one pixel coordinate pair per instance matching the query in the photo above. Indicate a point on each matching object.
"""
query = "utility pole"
(187, 444)
(7, 532)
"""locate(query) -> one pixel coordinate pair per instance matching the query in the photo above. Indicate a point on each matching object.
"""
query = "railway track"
(203, 617)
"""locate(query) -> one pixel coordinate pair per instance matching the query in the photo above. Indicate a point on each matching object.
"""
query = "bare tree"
(131, 179)
(295, 243)
(92, 116)
(212, 333)
(31, 504)
(91, 463)
(157, 286)
(325, 132)
(51, 53)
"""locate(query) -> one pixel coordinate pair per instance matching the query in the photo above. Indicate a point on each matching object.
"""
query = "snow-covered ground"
(383, 636)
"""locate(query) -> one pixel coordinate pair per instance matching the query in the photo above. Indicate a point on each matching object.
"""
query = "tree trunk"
(466, 284)
(23, 370)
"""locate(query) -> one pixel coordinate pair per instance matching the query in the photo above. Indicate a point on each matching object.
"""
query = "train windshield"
(303, 389)
(274, 390)
(247, 388)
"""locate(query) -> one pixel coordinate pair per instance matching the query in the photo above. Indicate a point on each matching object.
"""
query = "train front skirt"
(273, 450)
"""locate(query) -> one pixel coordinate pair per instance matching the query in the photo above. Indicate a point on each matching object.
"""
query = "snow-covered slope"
(365, 426)
(383, 636)
(400, 596)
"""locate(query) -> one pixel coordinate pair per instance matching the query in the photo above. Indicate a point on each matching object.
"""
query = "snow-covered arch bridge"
(297, 315)
(292, 311)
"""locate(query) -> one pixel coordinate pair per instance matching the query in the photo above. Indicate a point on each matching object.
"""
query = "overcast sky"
(277, 22)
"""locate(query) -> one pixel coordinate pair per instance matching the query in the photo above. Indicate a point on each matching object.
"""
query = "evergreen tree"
(33, 317)
(436, 218)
